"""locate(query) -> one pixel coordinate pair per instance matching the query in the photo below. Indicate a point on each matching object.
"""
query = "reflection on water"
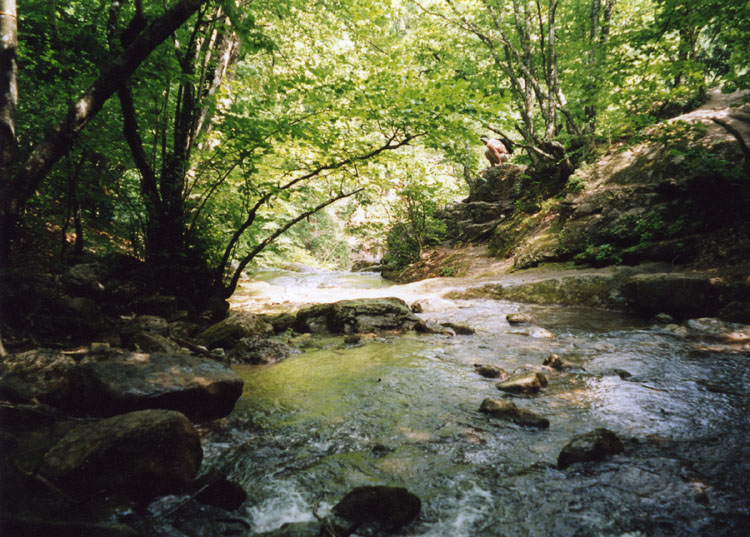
(404, 411)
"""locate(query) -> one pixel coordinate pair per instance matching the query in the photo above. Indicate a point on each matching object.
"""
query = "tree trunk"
(8, 101)
(58, 141)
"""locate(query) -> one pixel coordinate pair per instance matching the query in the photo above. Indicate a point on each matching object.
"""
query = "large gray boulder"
(116, 381)
(354, 316)
(140, 455)
(201, 388)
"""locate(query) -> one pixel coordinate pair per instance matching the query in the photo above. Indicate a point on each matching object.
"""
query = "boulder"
(376, 509)
(215, 489)
(85, 279)
(353, 316)
(595, 445)
(239, 324)
(108, 382)
(491, 371)
(47, 376)
(259, 351)
(281, 322)
(201, 388)
(507, 410)
(528, 383)
(140, 455)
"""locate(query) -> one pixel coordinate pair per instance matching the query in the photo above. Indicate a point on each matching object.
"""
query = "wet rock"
(353, 316)
(140, 454)
(507, 410)
(376, 509)
(528, 383)
(296, 529)
(183, 329)
(491, 371)
(718, 330)
(239, 324)
(663, 318)
(519, 318)
(201, 388)
(259, 351)
(424, 326)
(461, 329)
(559, 364)
(215, 489)
(353, 339)
(417, 307)
(595, 445)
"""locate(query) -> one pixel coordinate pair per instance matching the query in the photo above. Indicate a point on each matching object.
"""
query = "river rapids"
(402, 410)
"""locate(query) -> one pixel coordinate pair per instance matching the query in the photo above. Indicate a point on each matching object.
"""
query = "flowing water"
(403, 411)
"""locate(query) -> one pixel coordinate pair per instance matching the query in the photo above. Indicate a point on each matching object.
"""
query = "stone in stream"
(559, 364)
(595, 445)
(528, 383)
(353, 316)
(461, 329)
(230, 331)
(519, 318)
(376, 508)
(140, 455)
(507, 410)
(259, 351)
(424, 326)
(491, 371)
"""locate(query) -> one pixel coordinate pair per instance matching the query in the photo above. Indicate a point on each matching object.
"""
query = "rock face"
(238, 325)
(111, 382)
(528, 383)
(377, 509)
(507, 410)
(595, 445)
(353, 316)
(141, 454)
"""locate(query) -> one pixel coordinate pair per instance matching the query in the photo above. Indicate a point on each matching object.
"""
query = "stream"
(403, 411)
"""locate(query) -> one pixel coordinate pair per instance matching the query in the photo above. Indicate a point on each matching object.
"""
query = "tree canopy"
(201, 133)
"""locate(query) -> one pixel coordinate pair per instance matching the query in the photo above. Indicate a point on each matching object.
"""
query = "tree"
(18, 186)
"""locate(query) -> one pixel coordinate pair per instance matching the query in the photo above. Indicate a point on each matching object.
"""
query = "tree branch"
(230, 288)
(58, 141)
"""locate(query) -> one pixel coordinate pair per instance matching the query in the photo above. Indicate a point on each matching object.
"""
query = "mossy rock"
(227, 333)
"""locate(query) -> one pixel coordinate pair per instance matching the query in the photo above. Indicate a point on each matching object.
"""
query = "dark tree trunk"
(8, 100)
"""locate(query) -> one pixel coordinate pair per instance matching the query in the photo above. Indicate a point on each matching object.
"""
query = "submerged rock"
(595, 445)
(376, 509)
(491, 371)
(528, 383)
(140, 454)
(360, 315)
(507, 410)
(259, 351)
